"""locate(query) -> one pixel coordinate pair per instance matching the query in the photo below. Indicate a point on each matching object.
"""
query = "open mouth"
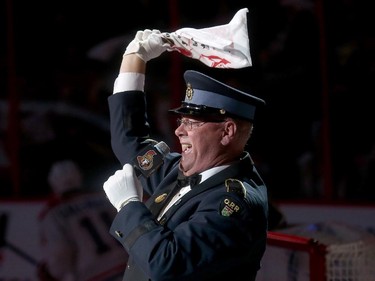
(186, 148)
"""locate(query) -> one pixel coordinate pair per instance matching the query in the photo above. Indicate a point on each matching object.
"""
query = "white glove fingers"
(147, 44)
(127, 171)
(146, 34)
(123, 186)
(139, 35)
(133, 179)
(118, 177)
(107, 184)
(127, 168)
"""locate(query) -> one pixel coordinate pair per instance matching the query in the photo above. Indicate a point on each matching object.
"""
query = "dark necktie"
(192, 180)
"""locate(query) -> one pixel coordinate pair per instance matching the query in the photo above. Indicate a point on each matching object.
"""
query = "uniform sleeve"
(128, 124)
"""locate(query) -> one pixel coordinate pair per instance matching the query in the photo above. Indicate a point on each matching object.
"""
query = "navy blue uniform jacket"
(216, 232)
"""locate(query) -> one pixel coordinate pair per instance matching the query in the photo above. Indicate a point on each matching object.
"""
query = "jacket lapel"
(211, 182)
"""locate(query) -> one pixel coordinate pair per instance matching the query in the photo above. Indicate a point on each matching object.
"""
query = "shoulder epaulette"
(235, 186)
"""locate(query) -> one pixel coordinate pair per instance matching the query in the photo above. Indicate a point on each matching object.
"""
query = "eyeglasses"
(189, 125)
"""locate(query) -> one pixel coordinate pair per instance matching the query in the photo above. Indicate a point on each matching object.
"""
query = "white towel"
(222, 46)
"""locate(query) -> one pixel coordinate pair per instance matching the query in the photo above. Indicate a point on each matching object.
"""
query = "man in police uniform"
(212, 228)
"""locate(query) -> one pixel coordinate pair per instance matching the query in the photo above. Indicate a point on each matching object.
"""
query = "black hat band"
(229, 104)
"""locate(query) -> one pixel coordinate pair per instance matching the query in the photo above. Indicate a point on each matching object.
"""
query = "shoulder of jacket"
(233, 203)
(235, 186)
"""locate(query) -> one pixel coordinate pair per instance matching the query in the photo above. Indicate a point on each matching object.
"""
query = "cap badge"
(189, 91)
(222, 111)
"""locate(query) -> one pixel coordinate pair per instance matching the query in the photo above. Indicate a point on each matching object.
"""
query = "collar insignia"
(160, 198)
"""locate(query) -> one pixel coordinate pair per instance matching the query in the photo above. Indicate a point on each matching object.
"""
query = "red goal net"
(319, 252)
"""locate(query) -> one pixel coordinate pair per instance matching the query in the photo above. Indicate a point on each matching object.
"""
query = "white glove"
(123, 187)
(147, 44)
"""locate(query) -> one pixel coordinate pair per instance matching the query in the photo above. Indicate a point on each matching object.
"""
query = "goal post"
(315, 250)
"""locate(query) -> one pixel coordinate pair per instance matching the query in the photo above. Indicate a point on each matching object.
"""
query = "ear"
(229, 131)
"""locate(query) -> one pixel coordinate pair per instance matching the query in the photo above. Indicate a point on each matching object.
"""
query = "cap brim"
(198, 111)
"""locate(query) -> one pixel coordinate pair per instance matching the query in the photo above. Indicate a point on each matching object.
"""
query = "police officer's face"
(202, 145)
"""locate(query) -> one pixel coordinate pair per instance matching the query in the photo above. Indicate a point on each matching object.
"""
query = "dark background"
(313, 63)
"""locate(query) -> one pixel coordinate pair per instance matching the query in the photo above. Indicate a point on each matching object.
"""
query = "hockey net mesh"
(352, 261)
(350, 253)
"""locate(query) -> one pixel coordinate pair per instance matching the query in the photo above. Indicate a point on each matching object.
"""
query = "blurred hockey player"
(74, 225)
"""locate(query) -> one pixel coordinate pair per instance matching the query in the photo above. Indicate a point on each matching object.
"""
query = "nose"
(180, 130)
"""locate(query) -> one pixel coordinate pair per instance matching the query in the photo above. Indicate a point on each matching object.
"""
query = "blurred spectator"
(310, 166)
(74, 225)
(290, 65)
(353, 69)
